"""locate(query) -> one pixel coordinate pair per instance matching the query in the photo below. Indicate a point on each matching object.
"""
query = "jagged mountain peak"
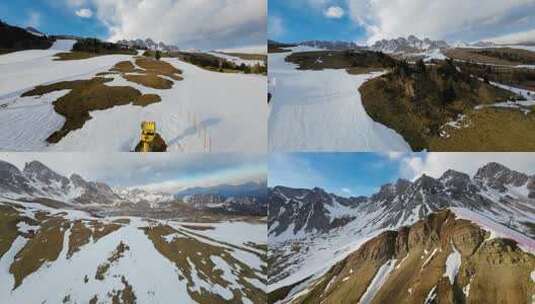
(410, 44)
(453, 174)
(39, 171)
(7, 168)
(498, 176)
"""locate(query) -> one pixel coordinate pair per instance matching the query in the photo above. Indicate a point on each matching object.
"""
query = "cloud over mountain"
(452, 20)
(187, 23)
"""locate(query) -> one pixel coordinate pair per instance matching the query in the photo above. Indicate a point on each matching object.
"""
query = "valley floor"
(65, 256)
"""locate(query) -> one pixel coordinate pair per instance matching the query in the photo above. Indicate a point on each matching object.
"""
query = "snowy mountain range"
(496, 191)
(311, 231)
(148, 44)
(411, 44)
(37, 182)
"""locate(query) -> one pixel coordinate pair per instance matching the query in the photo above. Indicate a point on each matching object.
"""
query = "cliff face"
(440, 259)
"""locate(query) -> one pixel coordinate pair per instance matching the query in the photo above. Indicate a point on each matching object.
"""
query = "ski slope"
(322, 111)
(207, 111)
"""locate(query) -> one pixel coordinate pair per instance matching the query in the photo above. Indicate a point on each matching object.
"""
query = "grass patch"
(245, 56)
(86, 96)
(100, 230)
(125, 295)
(500, 56)
(201, 228)
(80, 235)
(125, 67)
(416, 101)
(73, 56)
(193, 256)
(150, 80)
(117, 254)
(150, 74)
(44, 247)
(350, 60)
(9, 218)
(158, 67)
(514, 132)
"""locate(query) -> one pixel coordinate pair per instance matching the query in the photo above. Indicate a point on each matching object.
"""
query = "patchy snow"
(453, 262)
(429, 259)
(322, 111)
(237, 60)
(206, 112)
(377, 282)
(64, 45)
(466, 290)
(154, 279)
(431, 296)
(498, 230)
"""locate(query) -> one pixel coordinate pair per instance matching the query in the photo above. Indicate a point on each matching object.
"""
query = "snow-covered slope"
(322, 111)
(309, 227)
(84, 259)
(207, 111)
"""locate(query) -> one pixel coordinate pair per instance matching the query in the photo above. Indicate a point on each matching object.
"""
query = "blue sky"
(294, 22)
(345, 174)
(51, 17)
(167, 172)
(354, 174)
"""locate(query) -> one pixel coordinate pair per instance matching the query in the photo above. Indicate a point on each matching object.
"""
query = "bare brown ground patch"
(80, 235)
(86, 96)
(73, 56)
(151, 73)
(100, 230)
(125, 295)
(44, 247)
(246, 56)
(158, 67)
(125, 67)
(201, 228)
(185, 250)
(9, 218)
(500, 56)
(117, 254)
(150, 80)
(147, 99)
(490, 129)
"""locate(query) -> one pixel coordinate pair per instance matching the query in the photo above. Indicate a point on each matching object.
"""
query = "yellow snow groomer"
(148, 133)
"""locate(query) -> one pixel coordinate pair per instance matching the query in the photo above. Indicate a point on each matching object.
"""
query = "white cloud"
(204, 24)
(468, 20)
(34, 19)
(525, 36)
(275, 27)
(334, 12)
(84, 13)
(346, 191)
(435, 164)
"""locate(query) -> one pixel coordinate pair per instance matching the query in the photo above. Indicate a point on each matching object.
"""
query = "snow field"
(321, 110)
